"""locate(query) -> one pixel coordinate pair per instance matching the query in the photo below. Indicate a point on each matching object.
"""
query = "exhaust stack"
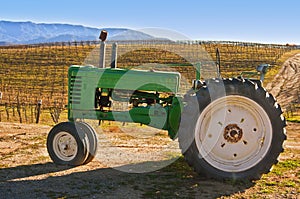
(102, 37)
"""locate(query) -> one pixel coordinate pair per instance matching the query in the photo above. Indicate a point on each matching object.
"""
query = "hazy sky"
(266, 21)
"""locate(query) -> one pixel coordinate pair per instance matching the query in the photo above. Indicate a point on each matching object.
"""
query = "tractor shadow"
(174, 181)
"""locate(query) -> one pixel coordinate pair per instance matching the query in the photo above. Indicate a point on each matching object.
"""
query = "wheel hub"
(65, 146)
(233, 133)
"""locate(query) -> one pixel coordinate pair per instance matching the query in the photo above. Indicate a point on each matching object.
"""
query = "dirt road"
(286, 84)
(26, 171)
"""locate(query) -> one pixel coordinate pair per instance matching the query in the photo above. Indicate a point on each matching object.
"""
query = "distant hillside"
(3, 43)
(29, 33)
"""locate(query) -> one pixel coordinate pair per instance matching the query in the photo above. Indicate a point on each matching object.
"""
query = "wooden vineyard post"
(38, 111)
(25, 112)
(19, 108)
(7, 111)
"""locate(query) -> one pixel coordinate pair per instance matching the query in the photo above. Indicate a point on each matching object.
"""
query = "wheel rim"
(65, 146)
(233, 133)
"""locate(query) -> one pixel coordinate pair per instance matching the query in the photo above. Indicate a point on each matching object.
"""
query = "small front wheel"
(67, 144)
(92, 140)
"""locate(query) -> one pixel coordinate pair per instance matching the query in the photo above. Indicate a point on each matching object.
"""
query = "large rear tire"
(231, 129)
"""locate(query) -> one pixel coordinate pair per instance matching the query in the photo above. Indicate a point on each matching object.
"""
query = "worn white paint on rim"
(249, 150)
(65, 146)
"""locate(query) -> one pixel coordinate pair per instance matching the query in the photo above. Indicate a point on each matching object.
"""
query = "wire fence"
(34, 77)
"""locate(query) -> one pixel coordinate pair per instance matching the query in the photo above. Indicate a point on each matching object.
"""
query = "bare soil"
(26, 171)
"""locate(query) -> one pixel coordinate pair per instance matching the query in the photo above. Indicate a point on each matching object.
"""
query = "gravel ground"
(26, 171)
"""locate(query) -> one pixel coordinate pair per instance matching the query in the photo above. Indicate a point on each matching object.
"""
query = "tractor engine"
(151, 95)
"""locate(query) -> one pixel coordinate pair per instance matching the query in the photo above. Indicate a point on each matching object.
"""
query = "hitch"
(262, 69)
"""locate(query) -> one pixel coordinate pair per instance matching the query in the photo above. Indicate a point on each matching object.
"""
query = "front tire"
(92, 140)
(67, 144)
(231, 129)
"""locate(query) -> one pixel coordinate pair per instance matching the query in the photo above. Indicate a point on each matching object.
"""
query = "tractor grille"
(75, 87)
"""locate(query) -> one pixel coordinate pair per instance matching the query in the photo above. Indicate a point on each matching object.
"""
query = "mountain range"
(31, 33)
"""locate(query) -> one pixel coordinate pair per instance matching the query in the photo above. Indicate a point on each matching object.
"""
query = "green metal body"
(152, 96)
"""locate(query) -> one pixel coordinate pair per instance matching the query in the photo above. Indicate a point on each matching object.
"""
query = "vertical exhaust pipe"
(114, 55)
(102, 37)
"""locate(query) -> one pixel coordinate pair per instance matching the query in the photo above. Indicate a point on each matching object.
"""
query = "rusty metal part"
(233, 133)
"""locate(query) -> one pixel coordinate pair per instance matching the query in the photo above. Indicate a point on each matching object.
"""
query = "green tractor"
(227, 128)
